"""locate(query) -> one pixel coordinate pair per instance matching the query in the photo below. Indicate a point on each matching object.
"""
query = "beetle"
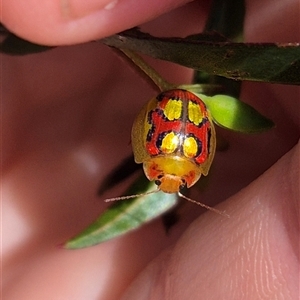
(174, 138)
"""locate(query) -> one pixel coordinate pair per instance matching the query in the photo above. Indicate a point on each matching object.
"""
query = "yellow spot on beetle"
(190, 147)
(194, 113)
(170, 143)
(173, 110)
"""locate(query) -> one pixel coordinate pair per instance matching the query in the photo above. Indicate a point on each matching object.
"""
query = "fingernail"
(81, 8)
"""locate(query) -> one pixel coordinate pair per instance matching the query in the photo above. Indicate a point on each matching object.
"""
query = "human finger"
(64, 22)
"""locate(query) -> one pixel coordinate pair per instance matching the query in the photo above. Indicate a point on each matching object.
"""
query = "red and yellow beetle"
(174, 137)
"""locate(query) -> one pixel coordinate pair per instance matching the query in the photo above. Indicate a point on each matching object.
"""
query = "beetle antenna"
(130, 196)
(204, 205)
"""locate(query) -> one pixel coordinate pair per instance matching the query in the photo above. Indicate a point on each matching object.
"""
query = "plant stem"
(147, 71)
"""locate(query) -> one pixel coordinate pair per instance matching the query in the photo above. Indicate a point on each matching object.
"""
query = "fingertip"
(65, 22)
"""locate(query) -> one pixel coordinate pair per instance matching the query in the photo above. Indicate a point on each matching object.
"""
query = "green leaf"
(14, 45)
(125, 216)
(275, 63)
(231, 113)
(227, 18)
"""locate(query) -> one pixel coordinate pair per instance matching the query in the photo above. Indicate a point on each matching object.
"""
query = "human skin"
(61, 119)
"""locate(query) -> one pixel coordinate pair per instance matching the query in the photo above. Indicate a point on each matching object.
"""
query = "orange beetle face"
(174, 138)
(171, 173)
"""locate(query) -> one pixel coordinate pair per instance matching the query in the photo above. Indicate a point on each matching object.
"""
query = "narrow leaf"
(275, 63)
(125, 216)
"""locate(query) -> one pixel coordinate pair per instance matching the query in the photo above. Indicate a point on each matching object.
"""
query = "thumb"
(252, 255)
